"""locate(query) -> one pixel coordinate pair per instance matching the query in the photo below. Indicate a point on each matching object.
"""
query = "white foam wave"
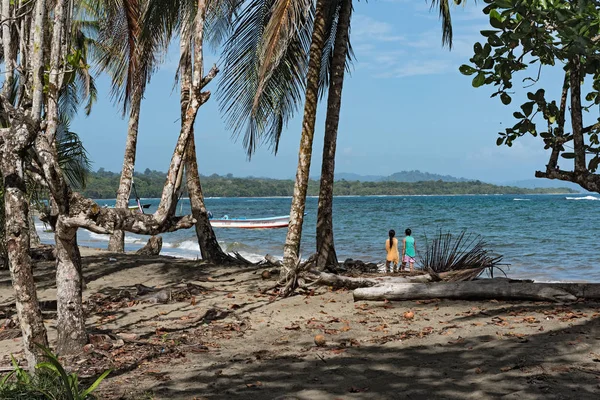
(189, 245)
(521, 199)
(583, 198)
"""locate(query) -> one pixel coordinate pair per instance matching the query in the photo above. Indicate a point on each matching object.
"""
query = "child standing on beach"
(409, 250)
(391, 246)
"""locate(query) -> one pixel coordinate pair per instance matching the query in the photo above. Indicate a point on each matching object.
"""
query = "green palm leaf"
(331, 16)
(444, 13)
(257, 96)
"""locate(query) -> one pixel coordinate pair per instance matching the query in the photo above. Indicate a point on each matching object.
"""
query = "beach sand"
(219, 338)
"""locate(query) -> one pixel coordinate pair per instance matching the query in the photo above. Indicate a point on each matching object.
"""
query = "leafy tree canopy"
(531, 35)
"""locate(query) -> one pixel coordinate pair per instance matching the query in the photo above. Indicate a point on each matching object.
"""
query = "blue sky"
(405, 106)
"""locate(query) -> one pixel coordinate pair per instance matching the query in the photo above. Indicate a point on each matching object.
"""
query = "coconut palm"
(244, 86)
(130, 62)
(326, 254)
(336, 60)
(212, 19)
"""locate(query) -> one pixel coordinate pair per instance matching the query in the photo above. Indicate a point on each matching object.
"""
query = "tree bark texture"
(291, 248)
(56, 68)
(7, 46)
(326, 254)
(576, 117)
(116, 242)
(72, 335)
(501, 289)
(152, 248)
(191, 100)
(34, 238)
(37, 58)
(17, 242)
(207, 240)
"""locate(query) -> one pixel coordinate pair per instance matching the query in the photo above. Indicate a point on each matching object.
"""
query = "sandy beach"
(215, 336)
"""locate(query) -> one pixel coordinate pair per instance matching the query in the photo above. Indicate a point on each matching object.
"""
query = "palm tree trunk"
(326, 255)
(291, 249)
(207, 240)
(117, 239)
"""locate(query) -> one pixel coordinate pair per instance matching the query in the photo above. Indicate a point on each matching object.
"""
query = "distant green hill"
(403, 176)
(103, 185)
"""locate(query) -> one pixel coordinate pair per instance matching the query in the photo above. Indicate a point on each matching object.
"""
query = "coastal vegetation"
(103, 185)
(278, 56)
(562, 37)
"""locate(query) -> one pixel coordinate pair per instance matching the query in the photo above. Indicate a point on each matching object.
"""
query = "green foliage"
(529, 36)
(50, 382)
(103, 185)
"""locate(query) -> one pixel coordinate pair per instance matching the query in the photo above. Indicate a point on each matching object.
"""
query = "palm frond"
(72, 156)
(219, 21)
(443, 7)
(331, 17)
(260, 109)
(280, 31)
(120, 51)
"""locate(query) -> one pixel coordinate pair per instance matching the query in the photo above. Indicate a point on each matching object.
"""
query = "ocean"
(542, 237)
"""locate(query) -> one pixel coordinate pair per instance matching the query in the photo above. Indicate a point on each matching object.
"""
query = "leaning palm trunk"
(207, 240)
(117, 239)
(294, 234)
(209, 246)
(326, 255)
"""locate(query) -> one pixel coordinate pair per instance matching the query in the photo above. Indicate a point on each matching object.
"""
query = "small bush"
(50, 382)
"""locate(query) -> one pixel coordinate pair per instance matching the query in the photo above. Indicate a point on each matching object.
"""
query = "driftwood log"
(501, 289)
(340, 281)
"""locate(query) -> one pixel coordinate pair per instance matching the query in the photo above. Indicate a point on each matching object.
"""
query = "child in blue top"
(409, 250)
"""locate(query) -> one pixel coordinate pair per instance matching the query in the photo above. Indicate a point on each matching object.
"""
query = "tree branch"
(584, 179)
(210, 76)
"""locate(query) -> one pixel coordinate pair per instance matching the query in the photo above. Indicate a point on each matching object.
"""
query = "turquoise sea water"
(544, 237)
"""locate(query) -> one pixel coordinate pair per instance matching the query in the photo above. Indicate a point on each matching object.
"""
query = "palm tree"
(326, 254)
(130, 61)
(194, 21)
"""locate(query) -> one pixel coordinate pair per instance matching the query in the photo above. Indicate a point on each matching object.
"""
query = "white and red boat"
(251, 223)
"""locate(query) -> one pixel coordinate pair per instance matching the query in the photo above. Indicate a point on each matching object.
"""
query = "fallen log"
(340, 281)
(484, 289)
(346, 282)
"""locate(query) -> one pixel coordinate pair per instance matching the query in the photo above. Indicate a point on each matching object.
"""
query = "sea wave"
(521, 199)
(583, 198)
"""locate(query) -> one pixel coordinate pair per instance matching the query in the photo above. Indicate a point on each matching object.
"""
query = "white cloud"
(367, 29)
(383, 49)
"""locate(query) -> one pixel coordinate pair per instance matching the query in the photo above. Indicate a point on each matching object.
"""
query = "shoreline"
(255, 347)
(380, 195)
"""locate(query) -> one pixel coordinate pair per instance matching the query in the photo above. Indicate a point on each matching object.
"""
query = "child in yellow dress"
(393, 257)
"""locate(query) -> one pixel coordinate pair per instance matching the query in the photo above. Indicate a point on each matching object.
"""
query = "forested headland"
(103, 185)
